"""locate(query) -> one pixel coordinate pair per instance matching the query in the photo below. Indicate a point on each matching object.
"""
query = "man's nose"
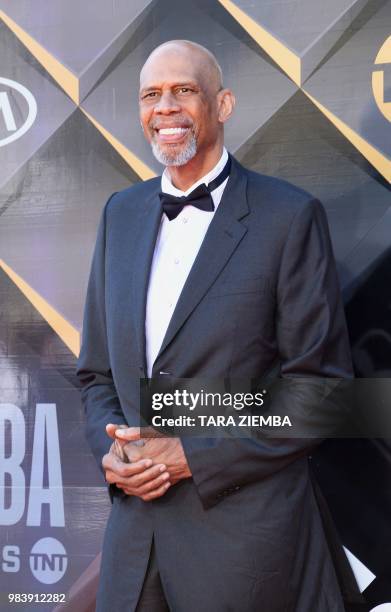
(167, 104)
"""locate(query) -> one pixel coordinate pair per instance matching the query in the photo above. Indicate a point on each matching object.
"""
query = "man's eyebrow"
(146, 89)
(176, 84)
(186, 84)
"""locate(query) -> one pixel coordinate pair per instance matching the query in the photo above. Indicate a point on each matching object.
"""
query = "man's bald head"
(183, 104)
(201, 58)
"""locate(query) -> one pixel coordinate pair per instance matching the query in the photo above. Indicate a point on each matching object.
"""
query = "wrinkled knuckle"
(130, 470)
(136, 480)
(122, 471)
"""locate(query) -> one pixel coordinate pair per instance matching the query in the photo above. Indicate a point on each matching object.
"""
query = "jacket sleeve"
(98, 392)
(312, 342)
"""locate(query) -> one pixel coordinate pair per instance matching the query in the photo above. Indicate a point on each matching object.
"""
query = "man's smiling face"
(179, 104)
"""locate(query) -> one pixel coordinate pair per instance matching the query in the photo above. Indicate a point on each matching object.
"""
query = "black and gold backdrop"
(313, 86)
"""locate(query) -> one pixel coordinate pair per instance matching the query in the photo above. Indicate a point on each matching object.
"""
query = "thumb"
(130, 434)
(111, 428)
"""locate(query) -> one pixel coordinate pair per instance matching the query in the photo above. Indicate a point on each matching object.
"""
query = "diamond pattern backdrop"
(313, 87)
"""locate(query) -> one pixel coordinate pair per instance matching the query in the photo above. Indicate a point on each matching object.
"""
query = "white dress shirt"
(176, 248)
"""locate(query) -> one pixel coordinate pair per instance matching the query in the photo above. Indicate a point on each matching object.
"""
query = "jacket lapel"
(147, 234)
(221, 239)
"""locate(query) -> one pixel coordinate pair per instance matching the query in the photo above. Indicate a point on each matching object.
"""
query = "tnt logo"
(48, 560)
(380, 90)
(18, 110)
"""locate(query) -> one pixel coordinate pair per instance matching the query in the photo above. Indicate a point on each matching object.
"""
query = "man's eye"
(151, 94)
(184, 90)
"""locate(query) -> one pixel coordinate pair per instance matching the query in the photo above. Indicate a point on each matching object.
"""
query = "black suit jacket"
(245, 533)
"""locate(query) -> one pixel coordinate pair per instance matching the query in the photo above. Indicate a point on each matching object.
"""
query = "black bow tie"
(200, 197)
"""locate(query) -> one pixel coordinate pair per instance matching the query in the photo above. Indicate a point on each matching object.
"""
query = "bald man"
(208, 271)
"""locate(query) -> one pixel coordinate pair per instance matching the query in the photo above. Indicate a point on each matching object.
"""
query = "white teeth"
(172, 130)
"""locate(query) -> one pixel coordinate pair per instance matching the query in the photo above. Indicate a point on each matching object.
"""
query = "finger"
(136, 433)
(129, 433)
(152, 485)
(111, 478)
(158, 485)
(111, 429)
(156, 493)
(113, 463)
(145, 476)
(138, 479)
(142, 478)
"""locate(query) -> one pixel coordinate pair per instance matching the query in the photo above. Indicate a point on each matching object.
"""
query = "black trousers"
(152, 597)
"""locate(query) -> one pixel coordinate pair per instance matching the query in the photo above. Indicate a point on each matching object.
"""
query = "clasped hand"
(145, 467)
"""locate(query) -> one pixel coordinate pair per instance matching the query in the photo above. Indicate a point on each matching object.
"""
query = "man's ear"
(226, 104)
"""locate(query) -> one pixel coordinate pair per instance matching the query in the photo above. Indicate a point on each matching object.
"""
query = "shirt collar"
(168, 187)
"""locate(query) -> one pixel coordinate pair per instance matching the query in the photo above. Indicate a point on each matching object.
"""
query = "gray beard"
(176, 159)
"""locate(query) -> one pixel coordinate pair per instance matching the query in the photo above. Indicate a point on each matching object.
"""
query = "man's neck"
(183, 177)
